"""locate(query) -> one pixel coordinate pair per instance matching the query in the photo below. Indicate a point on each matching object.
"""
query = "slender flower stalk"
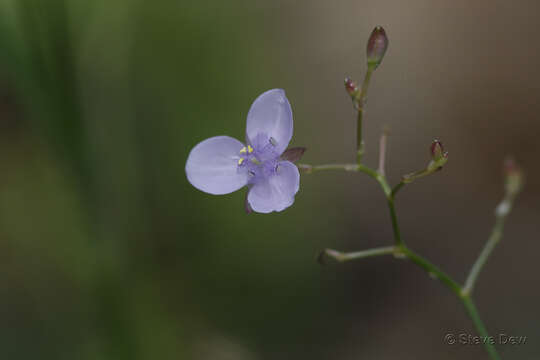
(514, 183)
(393, 218)
(472, 311)
(360, 105)
(493, 240)
(375, 50)
(343, 257)
(382, 151)
(396, 188)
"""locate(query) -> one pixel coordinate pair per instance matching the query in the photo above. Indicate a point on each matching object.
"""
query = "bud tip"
(376, 46)
(437, 150)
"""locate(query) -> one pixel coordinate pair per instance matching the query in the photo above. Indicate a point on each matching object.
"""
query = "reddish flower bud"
(352, 88)
(437, 150)
(376, 47)
(438, 156)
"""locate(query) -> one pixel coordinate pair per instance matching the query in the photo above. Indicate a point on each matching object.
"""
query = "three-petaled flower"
(222, 164)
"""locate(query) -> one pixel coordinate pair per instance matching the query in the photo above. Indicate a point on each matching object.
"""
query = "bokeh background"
(107, 252)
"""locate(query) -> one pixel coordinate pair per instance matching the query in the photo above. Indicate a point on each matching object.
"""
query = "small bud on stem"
(376, 47)
(437, 150)
(438, 156)
(352, 89)
(513, 176)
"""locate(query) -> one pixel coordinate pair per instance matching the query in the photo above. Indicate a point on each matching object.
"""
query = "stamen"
(243, 150)
(240, 161)
(250, 149)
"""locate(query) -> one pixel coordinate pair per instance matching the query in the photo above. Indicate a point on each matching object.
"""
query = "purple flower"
(221, 164)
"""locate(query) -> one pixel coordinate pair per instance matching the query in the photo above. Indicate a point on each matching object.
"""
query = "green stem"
(397, 188)
(404, 252)
(480, 327)
(360, 102)
(382, 151)
(400, 251)
(359, 139)
(350, 167)
(342, 257)
(310, 168)
(393, 217)
(496, 234)
(431, 269)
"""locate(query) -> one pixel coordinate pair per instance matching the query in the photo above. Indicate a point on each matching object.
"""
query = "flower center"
(260, 160)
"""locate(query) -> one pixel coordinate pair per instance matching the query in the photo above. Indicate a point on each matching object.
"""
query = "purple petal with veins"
(212, 166)
(275, 192)
(270, 117)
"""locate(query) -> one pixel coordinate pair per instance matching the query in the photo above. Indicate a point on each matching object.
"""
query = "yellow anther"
(243, 150)
(240, 161)
(250, 149)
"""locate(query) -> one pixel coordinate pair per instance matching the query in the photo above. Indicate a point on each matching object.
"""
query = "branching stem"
(400, 250)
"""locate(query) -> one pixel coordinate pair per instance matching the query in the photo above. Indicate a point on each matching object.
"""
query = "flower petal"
(271, 115)
(212, 166)
(277, 192)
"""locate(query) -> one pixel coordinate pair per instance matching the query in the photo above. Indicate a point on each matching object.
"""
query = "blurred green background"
(107, 252)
